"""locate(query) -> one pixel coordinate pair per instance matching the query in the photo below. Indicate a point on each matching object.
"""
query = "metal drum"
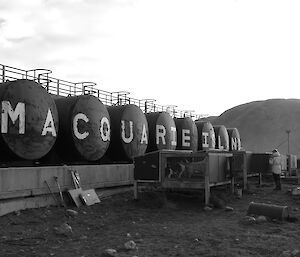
(206, 135)
(222, 138)
(84, 131)
(187, 134)
(129, 132)
(162, 131)
(29, 120)
(234, 139)
(269, 210)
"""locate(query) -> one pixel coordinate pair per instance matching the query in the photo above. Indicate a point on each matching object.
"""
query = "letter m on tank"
(14, 115)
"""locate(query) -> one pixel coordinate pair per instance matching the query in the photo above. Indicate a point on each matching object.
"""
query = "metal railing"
(65, 88)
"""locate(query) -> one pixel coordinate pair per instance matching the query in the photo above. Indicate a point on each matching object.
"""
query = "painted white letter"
(213, 141)
(219, 143)
(129, 139)
(14, 115)
(205, 139)
(160, 133)
(234, 145)
(239, 144)
(49, 125)
(186, 139)
(174, 141)
(83, 117)
(105, 129)
(144, 138)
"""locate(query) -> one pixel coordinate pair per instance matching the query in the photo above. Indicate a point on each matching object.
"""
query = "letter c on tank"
(83, 117)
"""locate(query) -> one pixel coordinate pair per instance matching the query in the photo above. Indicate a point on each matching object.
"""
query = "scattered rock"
(65, 229)
(290, 253)
(228, 208)
(130, 245)
(207, 208)
(109, 253)
(261, 219)
(248, 220)
(296, 191)
(71, 213)
(285, 254)
(17, 213)
(139, 240)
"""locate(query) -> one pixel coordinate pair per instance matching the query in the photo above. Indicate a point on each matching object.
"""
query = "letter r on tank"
(160, 133)
(18, 113)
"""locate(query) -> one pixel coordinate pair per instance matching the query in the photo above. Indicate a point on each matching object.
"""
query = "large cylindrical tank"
(222, 138)
(234, 139)
(84, 132)
(206, 135)
(129, 132)
(29, 120)
(187, 135)
(162, 131)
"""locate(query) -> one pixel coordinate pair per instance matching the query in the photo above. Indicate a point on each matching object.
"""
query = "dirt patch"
(160, 224)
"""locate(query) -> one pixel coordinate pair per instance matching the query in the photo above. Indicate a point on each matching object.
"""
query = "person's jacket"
(275, 161)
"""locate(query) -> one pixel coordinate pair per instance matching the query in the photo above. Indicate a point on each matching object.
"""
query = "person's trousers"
(277, 180)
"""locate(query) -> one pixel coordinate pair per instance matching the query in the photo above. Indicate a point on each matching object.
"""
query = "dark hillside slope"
(263, 124)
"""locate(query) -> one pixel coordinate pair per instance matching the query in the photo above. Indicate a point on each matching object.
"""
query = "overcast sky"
(206, 56)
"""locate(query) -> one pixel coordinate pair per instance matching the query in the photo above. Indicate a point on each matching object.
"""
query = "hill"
(263, 125)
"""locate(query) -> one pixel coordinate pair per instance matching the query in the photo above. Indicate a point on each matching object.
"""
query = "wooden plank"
(245, 177)
(183, 184)
(207, 190)
(75, 195)
(135, 190)
(89, 197)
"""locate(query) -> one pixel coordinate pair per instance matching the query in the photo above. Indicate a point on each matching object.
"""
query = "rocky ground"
(160, 224)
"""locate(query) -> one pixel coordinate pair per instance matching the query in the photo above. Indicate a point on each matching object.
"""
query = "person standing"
(275, 162)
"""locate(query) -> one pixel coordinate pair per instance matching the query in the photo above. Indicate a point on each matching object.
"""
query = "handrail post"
(3, 73)
(57, 87)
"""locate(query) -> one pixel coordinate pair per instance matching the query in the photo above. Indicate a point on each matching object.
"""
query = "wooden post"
(135, 189)
(206, 181)
(232, 185)
(260, 178)
(207, 190)
(245, 176)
